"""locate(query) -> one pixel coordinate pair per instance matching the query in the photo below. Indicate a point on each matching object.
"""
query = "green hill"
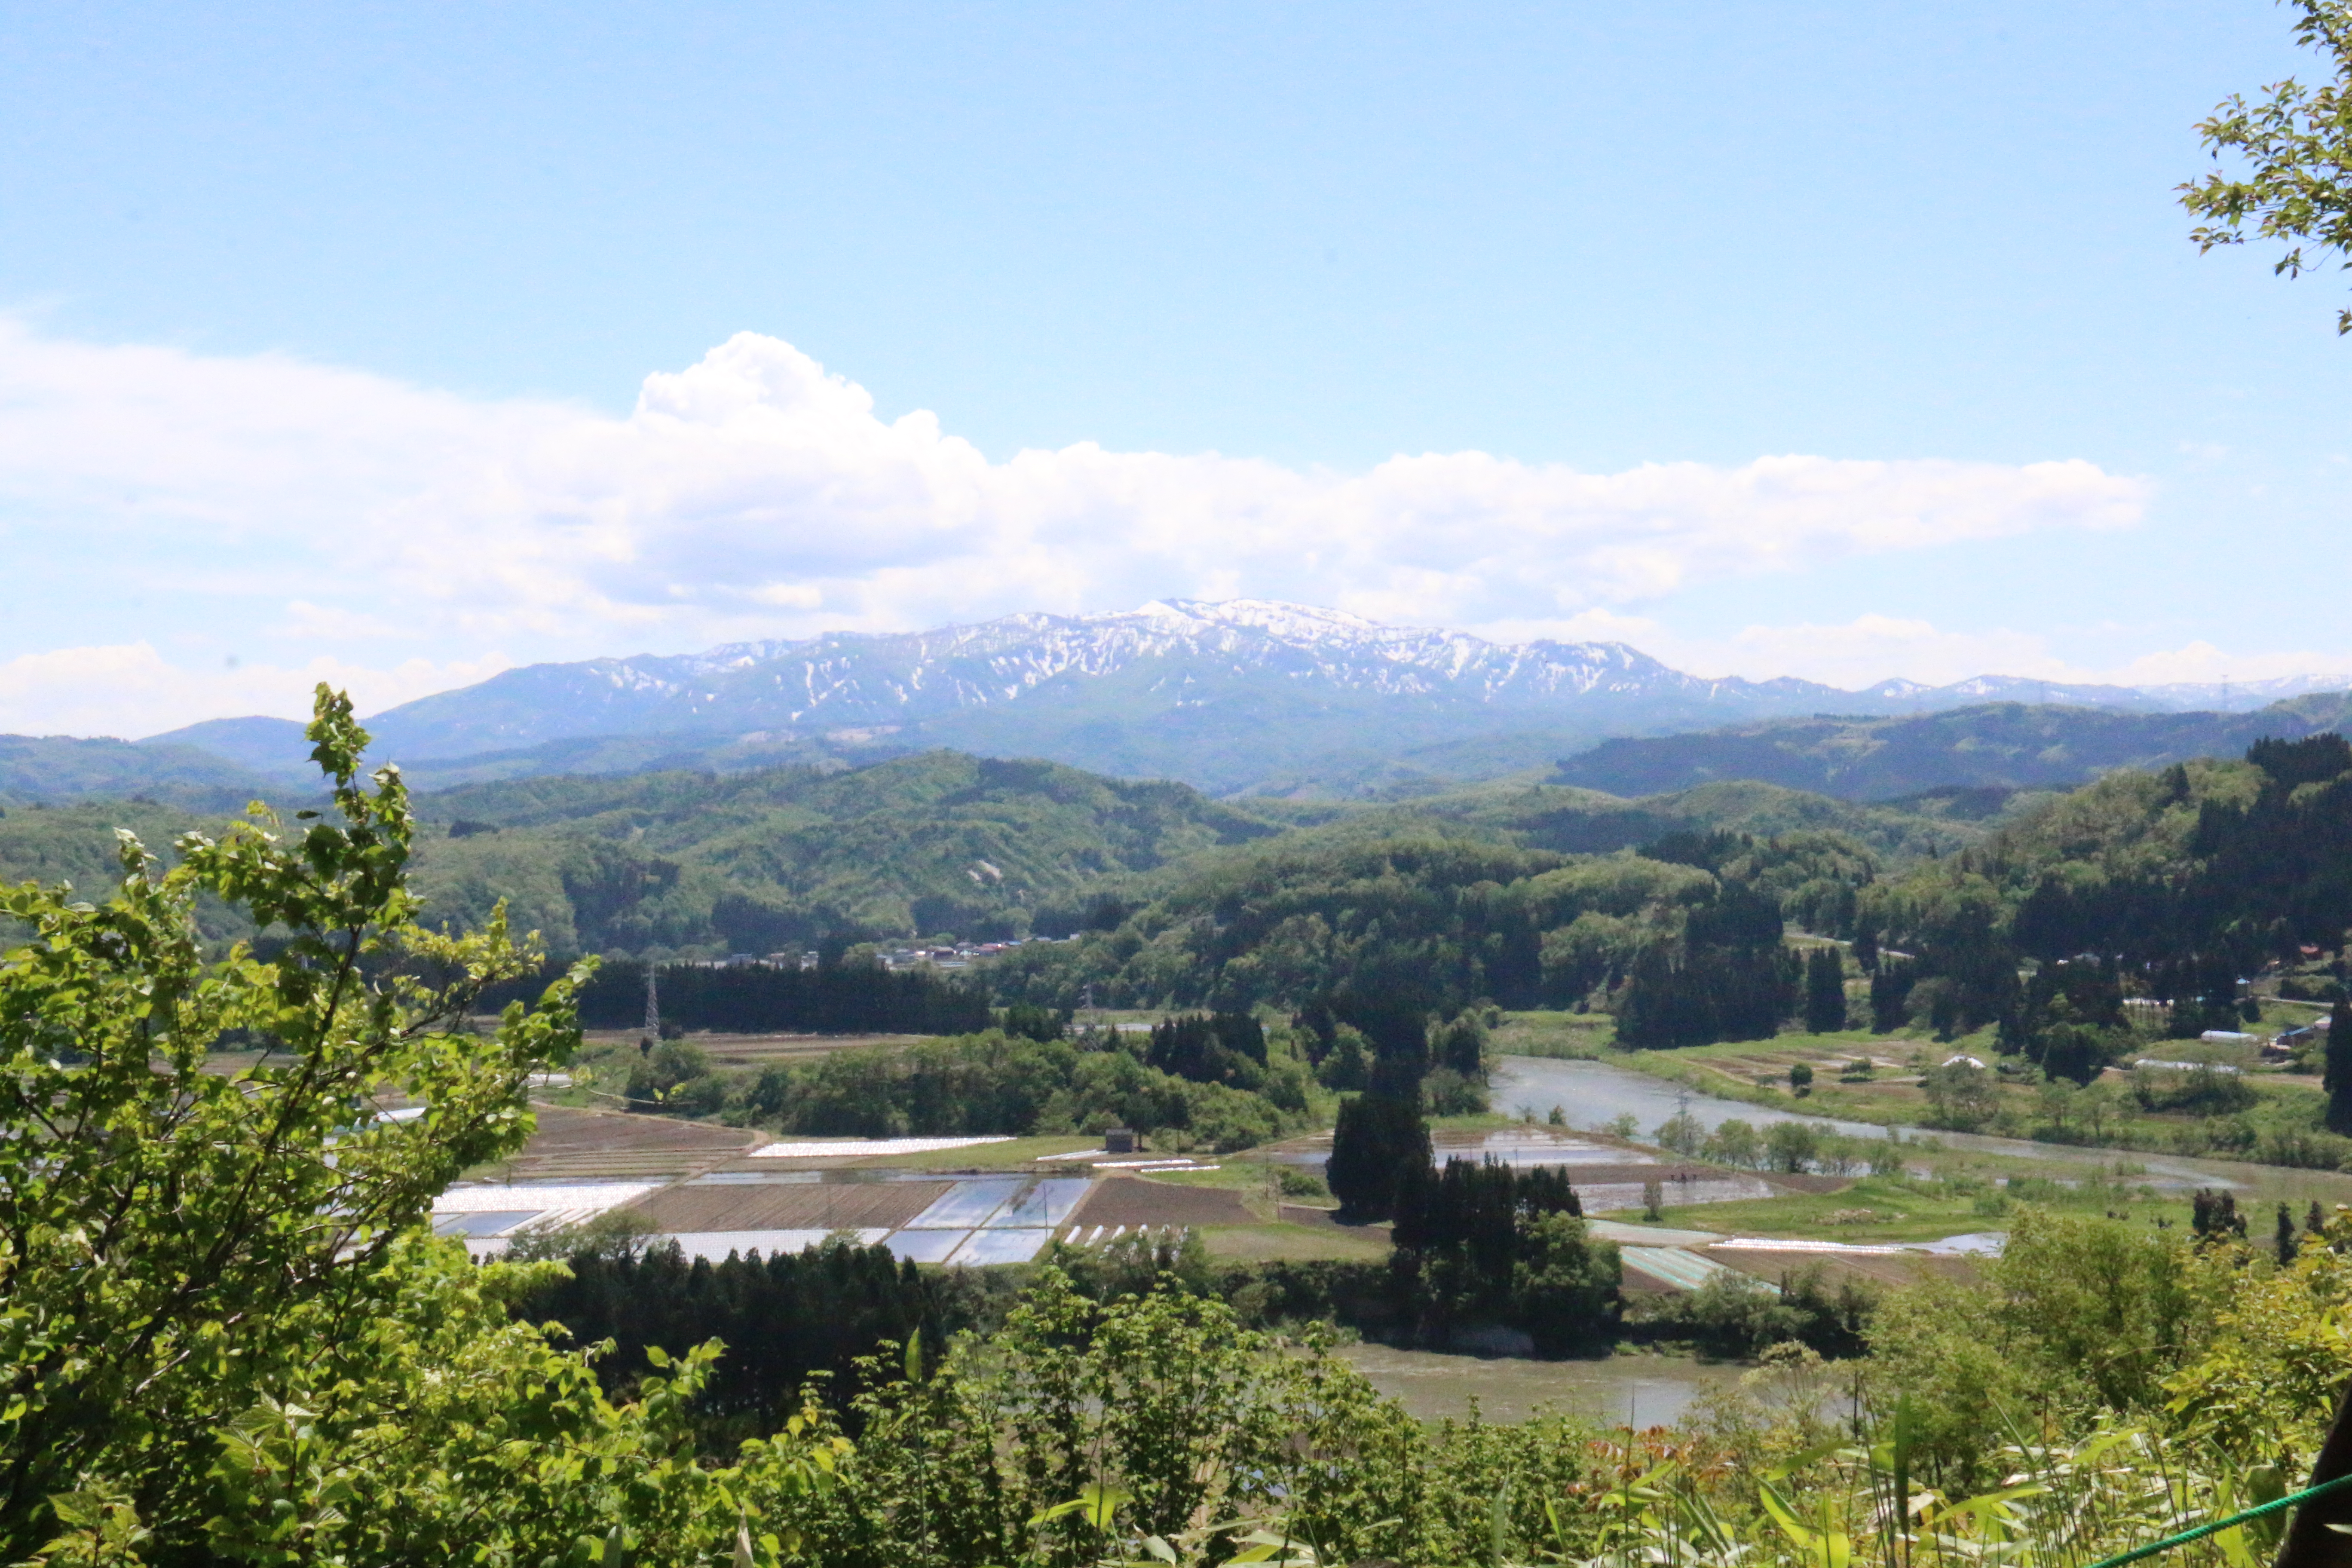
(930, 844)
(58, 768)
(693, 864)
(2003, 745)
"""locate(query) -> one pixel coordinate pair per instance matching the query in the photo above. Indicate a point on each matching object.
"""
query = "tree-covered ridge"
(2249, 857)
(1436, 924)
(2011, 745)
(691, 865)
(56, 769)
(938, 844)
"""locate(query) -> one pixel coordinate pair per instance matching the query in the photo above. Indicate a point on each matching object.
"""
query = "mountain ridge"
(1244, 696)
(2006, 745)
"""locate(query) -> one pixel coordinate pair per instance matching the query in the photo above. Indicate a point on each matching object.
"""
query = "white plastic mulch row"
(860, 1148)
(596, 1197)
(1785, 1244)
(1081, 1236)
(1110, 1162)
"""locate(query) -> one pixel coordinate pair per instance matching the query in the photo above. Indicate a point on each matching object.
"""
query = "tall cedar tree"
(2337, 1078)
(1379, 1140)
(1825, 991)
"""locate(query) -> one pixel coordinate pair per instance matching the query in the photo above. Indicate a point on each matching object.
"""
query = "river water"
(1591, 1094)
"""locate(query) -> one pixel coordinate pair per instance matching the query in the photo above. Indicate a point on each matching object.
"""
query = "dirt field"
(1838, 1269)
(1134, 1201)
(755, 1050)
(613, 1145)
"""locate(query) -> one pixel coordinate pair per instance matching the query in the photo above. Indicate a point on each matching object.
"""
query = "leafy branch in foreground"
(198, 1195)
(2298, 142)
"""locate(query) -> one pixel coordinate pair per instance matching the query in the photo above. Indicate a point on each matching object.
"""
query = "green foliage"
(1936, 770)
(1360, 925)
(701, 865)
(1216, 1047)
(843, 998)
(1736, 1314)
(2201, 1090)
(1009, 1084)
(1378, 1139)
(1026, 1018)
(163, 1219)
(675, 1077)
(2077, 1314)
(1825, 991)
(1082, 1431)
(1485, 1246)
(58, 770)
(1959, 1095)
(222, 1332)
(2298, 144)
(2336, 1071)
(783, 1318)
(1716, 993)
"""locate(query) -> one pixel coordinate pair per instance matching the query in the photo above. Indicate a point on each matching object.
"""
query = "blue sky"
(328, 333)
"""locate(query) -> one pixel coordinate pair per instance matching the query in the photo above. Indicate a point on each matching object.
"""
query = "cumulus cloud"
(332, 516)
(758, 490)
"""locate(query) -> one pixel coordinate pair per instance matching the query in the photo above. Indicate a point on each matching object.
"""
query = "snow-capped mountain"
(1243, 693)
(1168, 656)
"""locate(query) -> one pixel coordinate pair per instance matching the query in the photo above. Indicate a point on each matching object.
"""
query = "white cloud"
(129, 690)
(755, 494)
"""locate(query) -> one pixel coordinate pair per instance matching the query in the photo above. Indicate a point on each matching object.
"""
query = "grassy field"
(1573, 1037)
(1899, 1209)
(1019, 1154)
(1294, 1243)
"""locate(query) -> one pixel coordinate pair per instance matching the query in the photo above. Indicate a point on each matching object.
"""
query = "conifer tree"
(1379, 1139)
(1825, 991)
(2337, 1077)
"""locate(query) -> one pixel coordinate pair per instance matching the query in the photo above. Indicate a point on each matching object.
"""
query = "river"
(1591, 1094)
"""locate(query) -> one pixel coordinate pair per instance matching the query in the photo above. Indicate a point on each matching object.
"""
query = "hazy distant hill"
(2004, 745)
(60, 768)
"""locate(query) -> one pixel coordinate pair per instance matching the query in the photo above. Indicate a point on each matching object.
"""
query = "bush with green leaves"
(225, 1331)
(996, 1082)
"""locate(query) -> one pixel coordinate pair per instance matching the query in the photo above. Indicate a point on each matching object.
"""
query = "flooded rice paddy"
(1643, 1390)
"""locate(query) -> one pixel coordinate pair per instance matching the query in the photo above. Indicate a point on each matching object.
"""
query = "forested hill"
(936, 844)
(944, 844)
(2009, 745)
(50, 768)
(680, 864)
(2244, 859)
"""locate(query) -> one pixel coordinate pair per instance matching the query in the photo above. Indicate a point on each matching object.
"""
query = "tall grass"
(1857, 1503)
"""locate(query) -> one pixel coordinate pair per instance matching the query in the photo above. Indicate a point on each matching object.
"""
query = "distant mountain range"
(1243, 697)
